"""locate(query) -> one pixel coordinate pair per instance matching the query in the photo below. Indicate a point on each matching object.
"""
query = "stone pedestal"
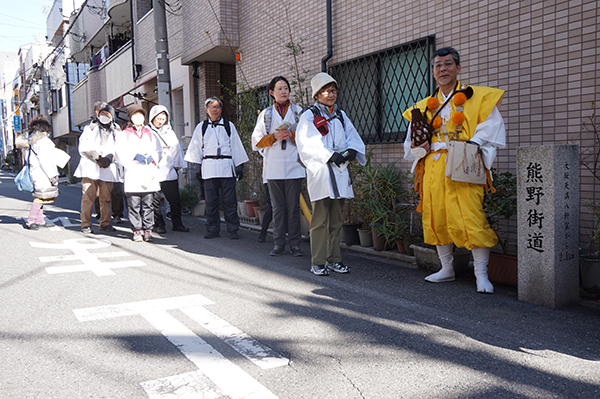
(548, 220)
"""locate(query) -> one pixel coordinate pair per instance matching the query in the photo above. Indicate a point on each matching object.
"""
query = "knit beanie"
(133, 108)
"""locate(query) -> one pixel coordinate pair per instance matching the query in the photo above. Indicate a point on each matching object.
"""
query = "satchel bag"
(464, 163)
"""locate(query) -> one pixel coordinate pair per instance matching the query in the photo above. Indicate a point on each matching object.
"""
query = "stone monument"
(548, 220)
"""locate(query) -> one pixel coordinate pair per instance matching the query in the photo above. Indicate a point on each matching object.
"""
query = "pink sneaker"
(137, 236)
(147, 235)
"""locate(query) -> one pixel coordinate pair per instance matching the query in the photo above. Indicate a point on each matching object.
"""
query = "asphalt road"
(183, 317)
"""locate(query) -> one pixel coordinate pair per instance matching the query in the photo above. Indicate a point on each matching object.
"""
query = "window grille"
(377, 88)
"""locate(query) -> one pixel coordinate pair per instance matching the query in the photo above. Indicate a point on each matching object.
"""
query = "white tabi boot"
(481, 258)
(447, 272)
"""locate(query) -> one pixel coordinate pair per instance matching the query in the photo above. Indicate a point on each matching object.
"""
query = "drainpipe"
(329, 39)
(133, 66)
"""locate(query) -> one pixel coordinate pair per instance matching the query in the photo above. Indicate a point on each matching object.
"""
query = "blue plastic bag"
(23, 180)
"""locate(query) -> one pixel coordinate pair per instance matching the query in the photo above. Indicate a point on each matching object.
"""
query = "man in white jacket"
(97, 168)
(327, 142)
(217, 147)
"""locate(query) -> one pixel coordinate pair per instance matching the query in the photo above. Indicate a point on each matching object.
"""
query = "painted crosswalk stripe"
(261, 355)
(134, 308)
(192, 385)
(229, 378)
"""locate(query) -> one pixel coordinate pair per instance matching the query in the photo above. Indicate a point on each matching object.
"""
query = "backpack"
(225, 125)
(269, 117)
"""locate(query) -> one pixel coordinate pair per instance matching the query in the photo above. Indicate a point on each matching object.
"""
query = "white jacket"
(215, 138)
(315, 151)
(44, 158)
(90, 142)
(130, 143)
(278, 163)
(172, 154)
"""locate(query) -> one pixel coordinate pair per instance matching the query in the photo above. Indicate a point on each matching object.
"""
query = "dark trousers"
(268, 217)
(140, 210)
(285, 198)
(117, 201)
(221, 190)
(170, 189)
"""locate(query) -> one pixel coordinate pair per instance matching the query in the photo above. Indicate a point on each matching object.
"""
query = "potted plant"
(589, 259)
(392, 226)
(502, 204)
(189, 199)
(352, 223)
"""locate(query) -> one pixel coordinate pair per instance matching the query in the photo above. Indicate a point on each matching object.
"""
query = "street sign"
(17, 123)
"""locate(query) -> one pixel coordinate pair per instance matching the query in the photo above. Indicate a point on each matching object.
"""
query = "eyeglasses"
(214, 107)
(329, 91)
(438, 65)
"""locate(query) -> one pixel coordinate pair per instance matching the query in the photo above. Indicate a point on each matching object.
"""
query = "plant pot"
(428, 259)
(589, 269)
(365, 237)
(350, 232)
(256, 210)
(502, 269)
(250, 205)
(401, 247)
(242, 210)
(378, 241)
(261, 216)
(199, 209)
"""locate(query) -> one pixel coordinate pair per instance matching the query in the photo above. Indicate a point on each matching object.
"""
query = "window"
(377, 88)
(142, 8)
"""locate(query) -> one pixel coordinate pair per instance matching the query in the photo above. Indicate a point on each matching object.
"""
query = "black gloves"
(239, 171)
(103, 162)
(349, 155)
(337, 158)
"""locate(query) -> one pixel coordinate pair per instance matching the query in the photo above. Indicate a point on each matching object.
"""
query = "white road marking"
(63, 220)
(193, 385)
(229, 378)
(217, 377)
(261, 355)
(90, 261)
(135, 308)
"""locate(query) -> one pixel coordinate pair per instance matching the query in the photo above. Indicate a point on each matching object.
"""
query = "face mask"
(105, 120)
(137, 120)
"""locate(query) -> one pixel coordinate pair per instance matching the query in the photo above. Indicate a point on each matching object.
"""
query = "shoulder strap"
(225, 125)
(268, 118)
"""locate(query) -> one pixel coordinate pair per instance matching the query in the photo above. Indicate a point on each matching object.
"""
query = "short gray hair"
(212, 100)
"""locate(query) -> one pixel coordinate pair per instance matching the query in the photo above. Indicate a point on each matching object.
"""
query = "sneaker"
(180, 227)
(168, 216)
(117, 219)
(32, 226)
(47, 225)
(86, 230)
(277, 250)
(234, 235)
(137, 236)
(160, 229)
(338, 267)
(108, 228)
(213, 234)
(319, 270)
(147, 235)
(296, 251)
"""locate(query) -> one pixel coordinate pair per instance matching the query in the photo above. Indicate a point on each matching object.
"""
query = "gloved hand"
(149, 159)
(140, 158)
(337, 159)
(350, 155)
(54, 181)
(103, 162)
(239, 171)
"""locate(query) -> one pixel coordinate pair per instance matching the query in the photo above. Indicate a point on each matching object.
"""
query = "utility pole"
(161, 44)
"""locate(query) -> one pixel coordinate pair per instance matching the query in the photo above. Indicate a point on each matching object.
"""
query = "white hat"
(319, 81)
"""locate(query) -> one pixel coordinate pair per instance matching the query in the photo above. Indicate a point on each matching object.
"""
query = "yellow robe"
(453, 211)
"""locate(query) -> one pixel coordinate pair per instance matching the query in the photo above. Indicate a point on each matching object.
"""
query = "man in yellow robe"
(453, 211)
